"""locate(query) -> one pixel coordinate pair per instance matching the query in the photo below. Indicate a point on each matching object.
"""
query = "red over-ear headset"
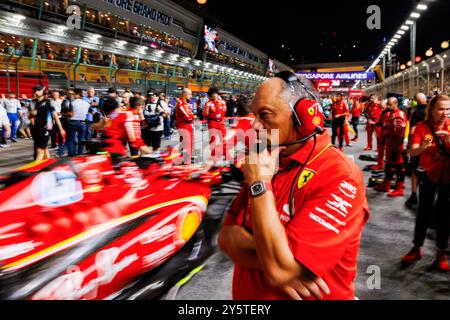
(307, 112)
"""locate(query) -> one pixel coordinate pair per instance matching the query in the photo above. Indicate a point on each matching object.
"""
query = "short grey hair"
(296, 90)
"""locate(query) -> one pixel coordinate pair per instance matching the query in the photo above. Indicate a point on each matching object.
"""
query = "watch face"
(257, 189)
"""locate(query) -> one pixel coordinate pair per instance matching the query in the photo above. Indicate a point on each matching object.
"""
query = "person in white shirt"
(6, 129)
(56, 102)
(12, 107)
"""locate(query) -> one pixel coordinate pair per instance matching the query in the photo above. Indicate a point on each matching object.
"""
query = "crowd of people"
(64, 121)
(412, 136)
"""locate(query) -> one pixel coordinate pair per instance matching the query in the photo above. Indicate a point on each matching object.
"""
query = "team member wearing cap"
(431, 142)
(41, 115)
(294, 232)
(373, 113)
(340, 111)
(184, 121)
(217, 110)
(393, 136)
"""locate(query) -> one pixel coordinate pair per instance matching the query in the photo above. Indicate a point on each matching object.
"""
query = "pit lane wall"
(429, 77)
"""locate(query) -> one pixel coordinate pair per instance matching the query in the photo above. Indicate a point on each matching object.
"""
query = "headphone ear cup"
(310, 116)
(296, 114)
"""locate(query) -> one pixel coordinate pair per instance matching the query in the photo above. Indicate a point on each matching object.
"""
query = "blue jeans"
(167, 128)
(89, 131)
(14, 119)
(76, 128)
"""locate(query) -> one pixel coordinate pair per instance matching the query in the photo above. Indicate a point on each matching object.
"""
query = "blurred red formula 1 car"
(84, 229)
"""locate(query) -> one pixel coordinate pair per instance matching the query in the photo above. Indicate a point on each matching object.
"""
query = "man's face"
(55, 95)
(441, 111)
(187, 95)
(392, 104)
(373, 99)
(125, 100)
(153, 99)
(214, 96)
(112, 94)
(70, 94)
(162, 96)
(338, 98)
(91, 93)
(39, 93)
(11, 95)
(273, 113)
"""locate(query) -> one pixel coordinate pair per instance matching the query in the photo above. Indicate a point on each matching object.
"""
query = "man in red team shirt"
(393, 136)
(381, 141)
(373, 113)
(356, 114)
(340, 111)
(307, 248)
(216, 110)
(119, 128)
(184, 121)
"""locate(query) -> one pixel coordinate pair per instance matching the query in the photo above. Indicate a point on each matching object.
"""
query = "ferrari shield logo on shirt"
(311, 111)
(305, 177)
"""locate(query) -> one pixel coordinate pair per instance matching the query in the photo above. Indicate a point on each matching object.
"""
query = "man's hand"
(261, 166)
(307, 286)
(427, 143)
(63, 135)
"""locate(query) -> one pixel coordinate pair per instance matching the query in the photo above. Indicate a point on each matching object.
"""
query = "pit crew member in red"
(356, 114)
(119, 128)
(295, 234)
(340, 111)
(217, 110)
(431, 142)
(373, 113)
(381, 142)
(184, 120)
(393, 136)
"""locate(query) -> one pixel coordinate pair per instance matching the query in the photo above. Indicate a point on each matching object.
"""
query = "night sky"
(319, 31)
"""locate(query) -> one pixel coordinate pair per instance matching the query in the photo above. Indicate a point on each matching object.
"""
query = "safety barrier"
(430, 76)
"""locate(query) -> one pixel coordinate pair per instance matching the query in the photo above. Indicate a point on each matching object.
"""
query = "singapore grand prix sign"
(142, 9)
(353, 76)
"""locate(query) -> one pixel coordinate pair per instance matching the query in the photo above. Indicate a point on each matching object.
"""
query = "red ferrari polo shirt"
(339, 108)
(356, 110)
(433, 160)
(330, 209)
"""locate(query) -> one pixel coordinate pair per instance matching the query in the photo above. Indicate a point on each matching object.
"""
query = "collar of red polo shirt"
(320, 145)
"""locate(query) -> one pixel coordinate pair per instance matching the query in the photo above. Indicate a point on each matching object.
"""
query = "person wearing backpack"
(42, 116)
(154, 114)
